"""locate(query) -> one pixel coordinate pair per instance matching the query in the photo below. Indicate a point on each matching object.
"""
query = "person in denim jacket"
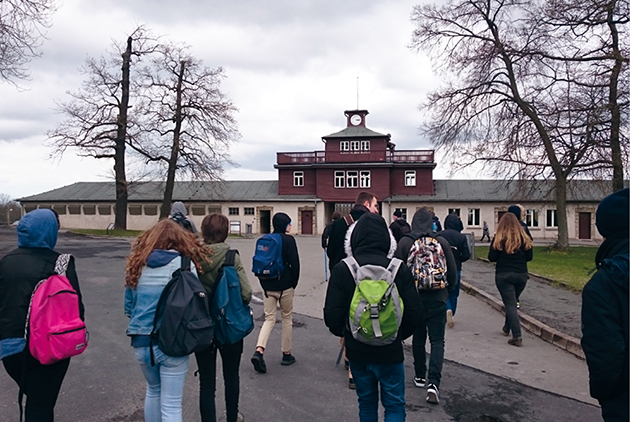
(155, 256)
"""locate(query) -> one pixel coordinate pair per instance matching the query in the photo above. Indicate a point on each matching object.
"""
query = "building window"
(473, 216)
(73, 209)
(214, 209)
(552, 218)
(150, 210)
(344, 146)
(298, 178)
(198, 209)
(365, 179)
(60, 209)
(455, 211)
(365, 145)
(340, 179)
(403, 211)
(104, 210)
(89, 209)
(355, 145)
(135, 209)
(410, 178)
(233, 211)
(248, 211)
(531, 218)
(352, 179)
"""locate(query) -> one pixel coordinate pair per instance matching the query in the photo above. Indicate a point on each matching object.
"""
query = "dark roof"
(356, 132)
(267, 190)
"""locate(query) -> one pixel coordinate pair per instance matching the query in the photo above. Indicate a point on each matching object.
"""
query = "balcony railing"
(318, 157)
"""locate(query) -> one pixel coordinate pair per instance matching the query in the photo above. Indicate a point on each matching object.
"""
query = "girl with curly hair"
(511, 249)
(154, 257)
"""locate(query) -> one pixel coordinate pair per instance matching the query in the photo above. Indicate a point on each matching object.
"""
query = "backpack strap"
(61, 266)
(185, 263)
(393, 267)
(349, 219)
(353, 266)
(229, 258)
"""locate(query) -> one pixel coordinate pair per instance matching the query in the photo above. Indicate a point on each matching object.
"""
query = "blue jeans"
(451, 301)
(510, 286)
(433, 322)
(165, 384)
(367, 377)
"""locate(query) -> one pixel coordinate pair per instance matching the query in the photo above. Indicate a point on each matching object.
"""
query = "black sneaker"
(419, 382)
(287, 359)
(351, 384)
(259, 362)
(433, 395)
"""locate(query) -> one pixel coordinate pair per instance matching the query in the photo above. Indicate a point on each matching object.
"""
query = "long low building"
(250, 205)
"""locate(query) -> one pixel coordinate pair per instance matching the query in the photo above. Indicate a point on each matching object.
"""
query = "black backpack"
(186, 325)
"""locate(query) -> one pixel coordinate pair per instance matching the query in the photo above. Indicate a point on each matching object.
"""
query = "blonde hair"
(165, 235)
(510, 235)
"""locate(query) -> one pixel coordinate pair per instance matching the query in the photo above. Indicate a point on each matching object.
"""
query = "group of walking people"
(362, 238)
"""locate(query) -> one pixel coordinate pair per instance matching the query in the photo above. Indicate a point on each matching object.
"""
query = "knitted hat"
(612, 214)
(398, 213)
(516, 210)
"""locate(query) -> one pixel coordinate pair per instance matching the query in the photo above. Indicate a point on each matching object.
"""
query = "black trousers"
(207, 364)
(42, 384)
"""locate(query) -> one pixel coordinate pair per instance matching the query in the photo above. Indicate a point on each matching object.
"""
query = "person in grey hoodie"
(180, 216)
(434, 308)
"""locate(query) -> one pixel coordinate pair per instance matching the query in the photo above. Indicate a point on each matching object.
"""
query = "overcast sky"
(291, 66)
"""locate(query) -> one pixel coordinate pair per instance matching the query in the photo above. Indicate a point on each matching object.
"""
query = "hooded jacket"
(212, 265)
(179, 214)
(370, 241)
(290, 258)
(335, 247)
(22, 268)
(422, 226)
(605, 316)
(452, 233)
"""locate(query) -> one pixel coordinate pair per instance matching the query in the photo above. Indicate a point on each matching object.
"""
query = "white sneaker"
(433, 395)
(449, 319)
(419, 382)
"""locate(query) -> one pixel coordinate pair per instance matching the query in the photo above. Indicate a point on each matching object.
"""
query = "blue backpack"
(267, 261)
(233, 320)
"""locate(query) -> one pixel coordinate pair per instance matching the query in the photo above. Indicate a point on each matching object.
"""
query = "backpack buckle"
(374, 311)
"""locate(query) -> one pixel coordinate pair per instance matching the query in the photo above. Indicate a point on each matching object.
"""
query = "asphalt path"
(484, 379)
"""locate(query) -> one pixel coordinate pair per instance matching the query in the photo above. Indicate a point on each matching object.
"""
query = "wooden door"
(307, 222)
(584, 225)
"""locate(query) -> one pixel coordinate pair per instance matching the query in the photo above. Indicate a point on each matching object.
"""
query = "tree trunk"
(561, 213)
(172, 162)
(615, 113)
(120, 221)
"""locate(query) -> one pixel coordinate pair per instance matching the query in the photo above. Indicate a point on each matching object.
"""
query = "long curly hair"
(510, 235)
(165, 235)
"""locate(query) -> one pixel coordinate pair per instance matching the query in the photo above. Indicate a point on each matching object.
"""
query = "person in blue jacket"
(605, 311)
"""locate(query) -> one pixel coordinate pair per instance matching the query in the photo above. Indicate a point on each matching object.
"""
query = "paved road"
(484, 379)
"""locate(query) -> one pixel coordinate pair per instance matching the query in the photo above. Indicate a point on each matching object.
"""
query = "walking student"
(605, 311)
(433, 302)
(399, 226)
(378, 370)
(279, 291)
(20, 271)
(154, 257)
(459, 245)
(214, 229)
(511, 249)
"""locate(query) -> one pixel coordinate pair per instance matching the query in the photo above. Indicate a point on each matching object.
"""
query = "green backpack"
(376, 309)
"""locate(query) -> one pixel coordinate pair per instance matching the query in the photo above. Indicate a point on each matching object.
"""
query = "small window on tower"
(352, 179)
(340, 179)
(365, 145)
(365, 179)
(355, 145)
(298, 178)
(410, 178)
(344, 146)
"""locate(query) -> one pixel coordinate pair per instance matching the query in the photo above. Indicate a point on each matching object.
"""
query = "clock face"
(355, 119)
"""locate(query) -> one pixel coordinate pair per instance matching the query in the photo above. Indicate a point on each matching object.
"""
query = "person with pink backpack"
(20, 272)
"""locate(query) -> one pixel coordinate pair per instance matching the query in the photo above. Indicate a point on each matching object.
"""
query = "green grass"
(119, 233)
(567, 269)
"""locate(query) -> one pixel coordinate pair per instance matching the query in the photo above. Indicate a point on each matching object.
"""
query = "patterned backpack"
(428, 264)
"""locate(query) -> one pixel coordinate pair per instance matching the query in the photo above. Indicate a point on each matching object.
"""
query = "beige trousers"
(271, 301)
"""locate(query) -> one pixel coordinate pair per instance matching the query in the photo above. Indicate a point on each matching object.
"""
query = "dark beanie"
(612, 214)
(516, 210)
(398, 213)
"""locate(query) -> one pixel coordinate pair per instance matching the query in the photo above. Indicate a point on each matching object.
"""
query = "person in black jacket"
(279, 291)
(511, 249)
(326, 234)
(20, 271)
(434, 308)
(370, 242)
(459, 245)
(605, 311)
(365, 202)
(399, 226)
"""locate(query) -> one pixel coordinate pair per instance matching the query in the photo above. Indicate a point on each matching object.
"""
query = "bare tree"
(97, 117)
(9, 209)
(22, 26)
(188, 123)
(504, 108)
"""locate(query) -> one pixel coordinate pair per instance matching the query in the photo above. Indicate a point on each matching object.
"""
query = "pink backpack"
(54, 330)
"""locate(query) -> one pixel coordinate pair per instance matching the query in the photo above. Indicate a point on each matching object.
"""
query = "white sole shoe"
(449, 319)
